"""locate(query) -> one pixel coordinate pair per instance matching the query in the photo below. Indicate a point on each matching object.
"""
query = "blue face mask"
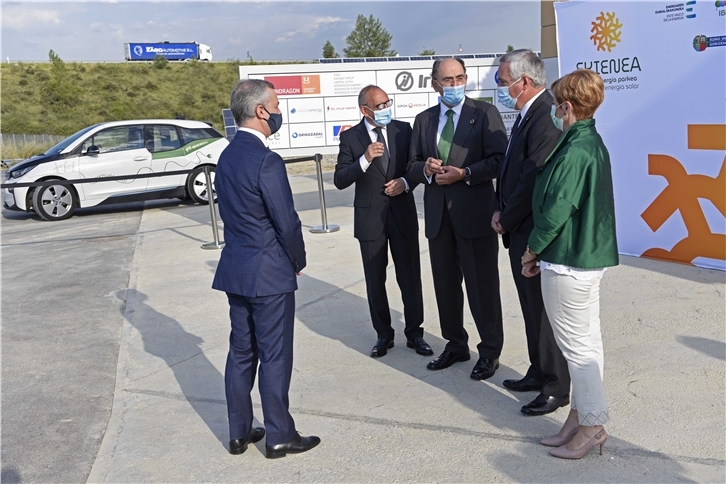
(453, 95)
(559, 122)
(383, 116)
(504, 98)
(274, 121)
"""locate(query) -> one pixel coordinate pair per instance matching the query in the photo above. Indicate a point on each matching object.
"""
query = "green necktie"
(447, 137)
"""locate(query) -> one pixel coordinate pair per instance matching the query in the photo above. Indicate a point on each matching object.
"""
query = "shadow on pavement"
(339, 315)
(10, 475)
(165, 338)
(710, 347)
(683, 271)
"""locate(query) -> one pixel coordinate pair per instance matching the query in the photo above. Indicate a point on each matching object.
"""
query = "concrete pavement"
(391, 419)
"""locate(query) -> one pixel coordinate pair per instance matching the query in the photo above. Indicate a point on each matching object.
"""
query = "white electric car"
(115, 149)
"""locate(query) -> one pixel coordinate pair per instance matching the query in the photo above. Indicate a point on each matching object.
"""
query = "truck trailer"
(181, 51)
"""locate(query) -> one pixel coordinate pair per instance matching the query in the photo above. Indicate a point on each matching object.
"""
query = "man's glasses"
(384, 105)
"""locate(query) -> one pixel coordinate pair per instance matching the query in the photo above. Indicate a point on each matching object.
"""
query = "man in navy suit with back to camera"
(263, 255)
(373, 155)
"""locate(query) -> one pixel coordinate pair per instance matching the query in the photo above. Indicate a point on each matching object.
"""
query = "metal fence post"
(217, 244)
(325, 228)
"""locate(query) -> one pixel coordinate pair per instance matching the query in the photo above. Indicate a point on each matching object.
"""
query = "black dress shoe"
(381, 348)
(542, 405)
(526, 384)
(238, 446)
(422, 347)
(295, 446)
(446, 359)
(484, 368)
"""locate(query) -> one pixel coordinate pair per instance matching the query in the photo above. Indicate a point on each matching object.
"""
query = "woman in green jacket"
(572, 243)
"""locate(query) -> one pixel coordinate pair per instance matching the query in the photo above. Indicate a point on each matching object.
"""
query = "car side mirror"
(93, 150)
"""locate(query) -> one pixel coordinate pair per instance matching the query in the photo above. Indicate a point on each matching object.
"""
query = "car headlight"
(21, 172)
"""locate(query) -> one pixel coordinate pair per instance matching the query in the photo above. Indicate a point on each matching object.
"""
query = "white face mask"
(383, 117)
(506, 99)
(559, 122)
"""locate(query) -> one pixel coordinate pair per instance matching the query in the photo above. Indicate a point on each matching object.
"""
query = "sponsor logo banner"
(409, 105)
(333, 130)
(302, 110)
(307, 135)
(341, 108)
(669, 176)
(295, 85)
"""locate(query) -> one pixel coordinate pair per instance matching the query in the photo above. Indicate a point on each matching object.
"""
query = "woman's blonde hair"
(583, 88)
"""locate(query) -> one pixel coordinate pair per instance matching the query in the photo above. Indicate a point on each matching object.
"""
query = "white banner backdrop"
(321, 100)
(663, 119)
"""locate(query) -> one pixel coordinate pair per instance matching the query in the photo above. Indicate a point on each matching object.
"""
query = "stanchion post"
(325, 228)
(217, 244)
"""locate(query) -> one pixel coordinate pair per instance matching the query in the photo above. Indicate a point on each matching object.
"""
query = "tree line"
(370, 39)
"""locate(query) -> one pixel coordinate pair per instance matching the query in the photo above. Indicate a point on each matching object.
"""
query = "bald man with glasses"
(373, 156)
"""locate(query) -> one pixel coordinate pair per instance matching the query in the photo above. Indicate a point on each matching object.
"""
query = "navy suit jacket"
(370, 202)
(264, 246)
(530, 144)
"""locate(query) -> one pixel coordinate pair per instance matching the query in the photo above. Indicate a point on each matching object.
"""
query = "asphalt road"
(63, 291)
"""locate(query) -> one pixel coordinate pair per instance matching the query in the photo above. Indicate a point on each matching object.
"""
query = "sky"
(270, 30)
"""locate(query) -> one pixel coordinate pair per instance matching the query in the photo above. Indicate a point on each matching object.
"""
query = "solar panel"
(230, 127)
(406, 58)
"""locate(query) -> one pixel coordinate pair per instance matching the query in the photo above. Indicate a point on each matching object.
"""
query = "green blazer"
(572, 203)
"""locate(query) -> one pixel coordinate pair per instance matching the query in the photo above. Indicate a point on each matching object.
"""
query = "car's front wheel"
(197, 188)
(54, 202)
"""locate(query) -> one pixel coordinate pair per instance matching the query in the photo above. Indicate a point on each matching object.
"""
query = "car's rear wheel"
(197, 188)
(54, 202)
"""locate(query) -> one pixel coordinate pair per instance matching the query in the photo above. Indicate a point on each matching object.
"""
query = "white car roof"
(184, 123)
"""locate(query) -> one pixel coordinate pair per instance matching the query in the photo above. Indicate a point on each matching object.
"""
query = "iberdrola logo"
(606, 31)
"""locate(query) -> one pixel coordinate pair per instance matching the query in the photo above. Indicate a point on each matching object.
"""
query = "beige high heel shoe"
(556, 441)
(564, 453)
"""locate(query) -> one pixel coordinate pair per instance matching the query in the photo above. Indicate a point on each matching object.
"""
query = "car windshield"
(68, 141)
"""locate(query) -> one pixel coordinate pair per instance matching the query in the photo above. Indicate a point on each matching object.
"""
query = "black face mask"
(274, 121)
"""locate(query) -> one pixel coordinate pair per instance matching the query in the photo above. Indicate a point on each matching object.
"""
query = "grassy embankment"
(109, 92)
(92, 93)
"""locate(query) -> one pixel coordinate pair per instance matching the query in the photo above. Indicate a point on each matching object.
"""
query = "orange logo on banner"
(606, 31)
(311, 84)
(683, 192)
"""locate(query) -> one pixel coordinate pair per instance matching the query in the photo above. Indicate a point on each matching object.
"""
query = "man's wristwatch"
(467, 174)
(529, 252)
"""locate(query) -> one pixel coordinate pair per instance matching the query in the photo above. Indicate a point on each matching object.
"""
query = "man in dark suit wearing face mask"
(522, 79)
(258, 269)
(456, 150)
(373, 155)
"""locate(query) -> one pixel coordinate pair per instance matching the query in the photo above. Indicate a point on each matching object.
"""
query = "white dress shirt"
(374, 139)
(256, 133)
(529, 103)
(522, 114)
(443, 118)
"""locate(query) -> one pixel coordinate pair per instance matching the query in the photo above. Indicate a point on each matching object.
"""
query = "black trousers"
(546, 362)
(475, 261)
(407, 262)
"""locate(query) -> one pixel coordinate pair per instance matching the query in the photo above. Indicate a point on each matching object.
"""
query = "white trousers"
(573, 307)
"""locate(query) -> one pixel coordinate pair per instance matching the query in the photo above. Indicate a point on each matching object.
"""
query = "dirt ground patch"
(308, 167)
